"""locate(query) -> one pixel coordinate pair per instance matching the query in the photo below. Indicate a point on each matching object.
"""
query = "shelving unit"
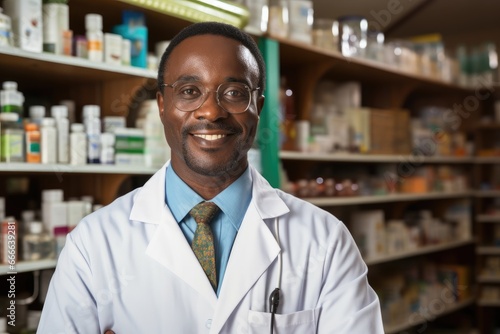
(27, 266)
(75, 169)
(419, 319)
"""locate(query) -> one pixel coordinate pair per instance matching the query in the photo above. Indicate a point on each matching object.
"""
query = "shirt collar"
(233, 201)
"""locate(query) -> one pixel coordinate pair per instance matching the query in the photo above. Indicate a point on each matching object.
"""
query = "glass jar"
(375, 46)
(37, 244)
(353, 35)
(326, 34)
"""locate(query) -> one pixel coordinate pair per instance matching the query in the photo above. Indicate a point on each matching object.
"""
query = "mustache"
(212, 126)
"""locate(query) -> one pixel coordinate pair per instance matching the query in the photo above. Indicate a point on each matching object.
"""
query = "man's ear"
(260, 104)
(159, 101)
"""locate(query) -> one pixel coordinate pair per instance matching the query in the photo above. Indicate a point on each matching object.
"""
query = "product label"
(94, 45)
(11, 147)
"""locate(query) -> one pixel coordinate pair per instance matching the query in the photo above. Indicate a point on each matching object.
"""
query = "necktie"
(203, 241)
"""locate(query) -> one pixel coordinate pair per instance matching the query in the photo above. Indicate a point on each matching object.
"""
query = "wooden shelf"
(488, 218)
(488, 279)
(488, 303)
(26, 266)
(420, 251)
(386, 158)
(488, 250)
(421, 319)
(45, 68)
(333, 201)
(80, 169)
(487, 193)
(487, 160)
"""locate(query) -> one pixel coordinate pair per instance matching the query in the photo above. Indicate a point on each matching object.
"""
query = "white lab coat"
(128, 268)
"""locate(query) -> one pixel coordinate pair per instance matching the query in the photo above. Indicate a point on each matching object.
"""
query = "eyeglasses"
(233, 97)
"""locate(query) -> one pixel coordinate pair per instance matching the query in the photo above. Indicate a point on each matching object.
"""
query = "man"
(144, 264)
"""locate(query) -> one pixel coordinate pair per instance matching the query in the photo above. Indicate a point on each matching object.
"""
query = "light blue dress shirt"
(233, 203)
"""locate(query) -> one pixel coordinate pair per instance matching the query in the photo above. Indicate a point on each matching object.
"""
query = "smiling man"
(207, 245)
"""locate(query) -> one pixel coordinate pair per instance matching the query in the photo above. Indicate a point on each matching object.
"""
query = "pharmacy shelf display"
(76, 169)
(384, 87)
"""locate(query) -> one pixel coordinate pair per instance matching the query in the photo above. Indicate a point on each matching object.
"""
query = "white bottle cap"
(48, 121)
(9, 117)
(59, 111)
(77, 127)
(9, 85)
(93, 22)
(36, 227)
(52, 195)
(87, 199)
(2, 203)
(28, 215)
(91, 110)
(37, 112)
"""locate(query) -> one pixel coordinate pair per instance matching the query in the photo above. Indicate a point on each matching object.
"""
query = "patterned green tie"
(203, 241)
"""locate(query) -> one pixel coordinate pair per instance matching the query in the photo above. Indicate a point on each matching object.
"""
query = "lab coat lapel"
(168, 245)
(254, 250)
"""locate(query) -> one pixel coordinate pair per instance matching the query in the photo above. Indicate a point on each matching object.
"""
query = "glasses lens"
(234, 97)
(188, 96)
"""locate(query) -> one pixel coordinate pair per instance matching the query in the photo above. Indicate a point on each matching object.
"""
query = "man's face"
(210, 141)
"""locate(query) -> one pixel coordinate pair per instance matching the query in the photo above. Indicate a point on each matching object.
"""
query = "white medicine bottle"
(60, 114)
(95, 37)
(92, 122)
(48, 141)
(78, 144)
(107, 148)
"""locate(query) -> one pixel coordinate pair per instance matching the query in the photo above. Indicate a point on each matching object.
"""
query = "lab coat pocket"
(302, 322)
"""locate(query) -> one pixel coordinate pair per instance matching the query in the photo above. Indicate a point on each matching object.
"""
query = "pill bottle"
(11, 138)
(32, 135)
(95, 36)
(48, 141)
(78, 144)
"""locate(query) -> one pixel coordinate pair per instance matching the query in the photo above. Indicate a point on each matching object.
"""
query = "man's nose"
(210, 108)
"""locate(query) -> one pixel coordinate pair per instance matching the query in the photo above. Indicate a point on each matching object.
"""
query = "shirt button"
(208, 324)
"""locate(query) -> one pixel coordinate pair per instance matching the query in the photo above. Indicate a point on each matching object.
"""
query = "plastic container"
(60, 114)
(95, 36)
(26, 18)
(107, 149)
(11, 99)
(301, 20)
(78, 144)
(353, 35)
(32, 143)
(37, 244)
(5, 29)
(278, 18)
(138, 36)
(48, 141)
(11, 138)
(92, 122)
(112, 49)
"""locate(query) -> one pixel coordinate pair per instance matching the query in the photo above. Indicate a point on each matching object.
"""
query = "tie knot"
(204, 212)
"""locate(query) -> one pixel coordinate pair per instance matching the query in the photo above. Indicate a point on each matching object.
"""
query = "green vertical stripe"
(268, 131)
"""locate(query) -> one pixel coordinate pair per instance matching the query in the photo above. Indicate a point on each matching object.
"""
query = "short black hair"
(214, 28)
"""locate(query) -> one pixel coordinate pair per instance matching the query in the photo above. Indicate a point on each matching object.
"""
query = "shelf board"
(26, 266)
(488, 218)
(50, 68)
(487, 160)
(488, 250)
(487, 193)
(488, 279)
(420, 251)
(332, 201)
(489, 303)
(449, 308)
(489, 126)
(382, 158)
(76, 169)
